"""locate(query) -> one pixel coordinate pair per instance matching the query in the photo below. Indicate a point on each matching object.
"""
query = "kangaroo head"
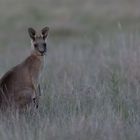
(39, 40)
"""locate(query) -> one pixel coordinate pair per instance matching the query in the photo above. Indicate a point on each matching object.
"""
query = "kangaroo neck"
(34, 63)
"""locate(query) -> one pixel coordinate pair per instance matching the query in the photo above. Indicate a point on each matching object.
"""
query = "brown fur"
(19, 86)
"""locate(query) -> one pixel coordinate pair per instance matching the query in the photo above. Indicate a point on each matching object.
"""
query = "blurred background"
(91, 83)
(66, 17)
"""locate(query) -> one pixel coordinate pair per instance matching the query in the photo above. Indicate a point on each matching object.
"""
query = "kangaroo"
(20, 85)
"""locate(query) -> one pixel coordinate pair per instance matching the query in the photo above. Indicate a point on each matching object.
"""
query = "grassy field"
(91, 83)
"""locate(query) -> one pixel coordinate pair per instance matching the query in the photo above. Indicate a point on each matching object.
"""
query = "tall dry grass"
(90, 91)
(91, 80)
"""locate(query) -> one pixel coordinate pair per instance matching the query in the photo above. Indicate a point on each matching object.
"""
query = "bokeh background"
(91, 80)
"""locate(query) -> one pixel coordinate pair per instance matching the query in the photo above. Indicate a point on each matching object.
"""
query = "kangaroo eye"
(35, 45)
(44, 44)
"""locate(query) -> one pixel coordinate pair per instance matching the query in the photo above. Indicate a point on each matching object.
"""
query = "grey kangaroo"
(20, 85)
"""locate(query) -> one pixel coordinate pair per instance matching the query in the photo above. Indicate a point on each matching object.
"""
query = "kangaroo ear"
(32, 33)
(44, 32)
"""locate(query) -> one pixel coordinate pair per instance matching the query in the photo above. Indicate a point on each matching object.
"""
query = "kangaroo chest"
(37, 71)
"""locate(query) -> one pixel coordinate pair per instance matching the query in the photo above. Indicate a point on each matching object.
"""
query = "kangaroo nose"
(35, 102)
(34, 99)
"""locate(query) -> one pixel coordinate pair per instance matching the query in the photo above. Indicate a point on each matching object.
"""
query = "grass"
(91, 91)
(91, 80)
